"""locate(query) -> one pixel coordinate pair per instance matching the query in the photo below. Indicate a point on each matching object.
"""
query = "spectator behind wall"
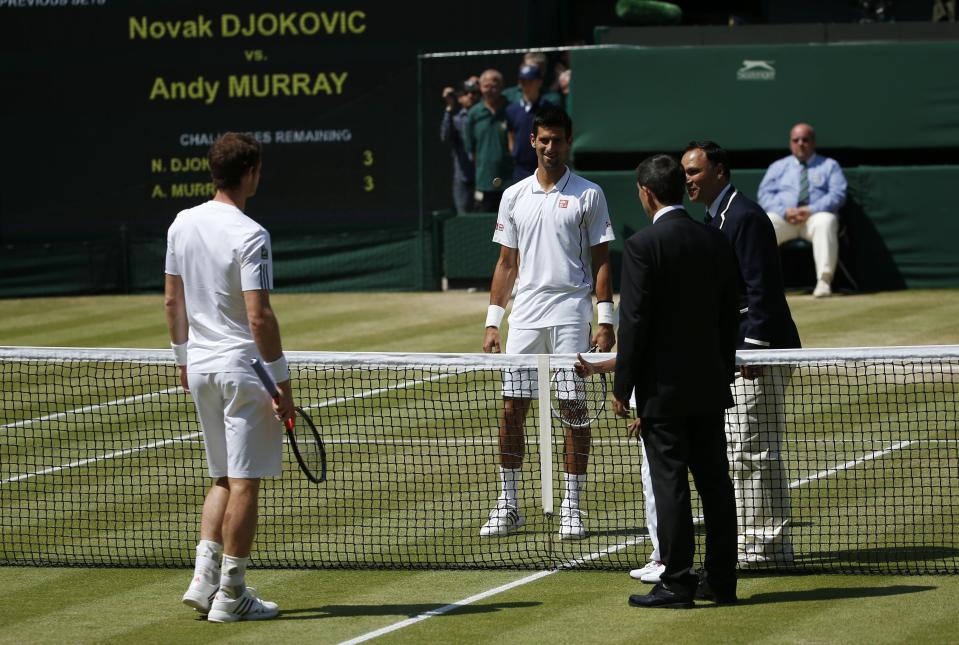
(519, 119)
(488, 144)
(452, 130)
(515, 92)
(564, 80)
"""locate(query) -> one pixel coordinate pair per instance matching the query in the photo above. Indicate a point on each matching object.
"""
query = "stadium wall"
(898, 232)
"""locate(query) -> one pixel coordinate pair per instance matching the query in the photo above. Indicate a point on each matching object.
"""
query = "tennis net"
(102, 463)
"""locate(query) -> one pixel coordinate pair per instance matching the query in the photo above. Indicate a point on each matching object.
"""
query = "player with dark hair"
(218, 281)
(554, 231)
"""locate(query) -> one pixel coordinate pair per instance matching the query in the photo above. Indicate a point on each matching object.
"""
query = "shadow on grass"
(338, 611)
(832, 593)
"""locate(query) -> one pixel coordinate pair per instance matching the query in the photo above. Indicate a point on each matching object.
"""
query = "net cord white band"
(485, 361)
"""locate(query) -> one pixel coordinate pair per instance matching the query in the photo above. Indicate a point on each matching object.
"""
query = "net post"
(545, 433)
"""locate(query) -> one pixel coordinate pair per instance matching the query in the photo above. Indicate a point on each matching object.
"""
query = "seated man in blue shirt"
(802, 194)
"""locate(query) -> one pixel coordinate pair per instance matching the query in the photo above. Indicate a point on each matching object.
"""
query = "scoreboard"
(110, 107)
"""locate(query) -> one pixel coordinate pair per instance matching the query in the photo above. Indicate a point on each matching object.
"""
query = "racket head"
(577, 401)
(308, 449)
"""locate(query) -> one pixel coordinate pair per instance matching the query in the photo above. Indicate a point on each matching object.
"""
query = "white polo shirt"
(219, 253)
(553, 232)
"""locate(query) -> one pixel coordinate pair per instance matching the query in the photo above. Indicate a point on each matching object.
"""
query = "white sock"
(509, 478)
(574, 484)
(207, 565)
(232, 575)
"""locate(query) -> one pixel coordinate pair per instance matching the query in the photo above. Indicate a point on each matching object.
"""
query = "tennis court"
(412, 476)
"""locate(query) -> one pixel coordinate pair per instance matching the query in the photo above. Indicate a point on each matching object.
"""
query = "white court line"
(447, 608)
(90, 408)
(186, 437)
(592, 556)
(90, 460)
(875, 454)
(491, 592)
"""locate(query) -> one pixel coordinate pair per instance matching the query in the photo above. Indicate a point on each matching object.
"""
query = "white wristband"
(179, 353)
(494, 316)
(605, 314)
(278, 369)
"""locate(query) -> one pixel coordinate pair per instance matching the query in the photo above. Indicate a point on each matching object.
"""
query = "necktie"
(803, 184)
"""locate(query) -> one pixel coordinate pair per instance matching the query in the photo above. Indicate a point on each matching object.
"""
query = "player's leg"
(569, 339)
(254, 449)
(822, 230)
(519, 388)
(209, 550)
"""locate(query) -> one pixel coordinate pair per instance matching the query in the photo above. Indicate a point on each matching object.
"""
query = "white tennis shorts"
(243, 438)
(562, 339)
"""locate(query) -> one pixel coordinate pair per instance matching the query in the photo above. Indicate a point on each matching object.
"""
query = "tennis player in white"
(554, 229)
(218, 277)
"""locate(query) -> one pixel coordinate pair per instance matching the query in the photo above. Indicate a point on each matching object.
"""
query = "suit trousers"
(677, 446)
(822, 230)
(754, 432)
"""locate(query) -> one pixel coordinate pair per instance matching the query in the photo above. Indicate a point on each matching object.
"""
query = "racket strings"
(577, 401)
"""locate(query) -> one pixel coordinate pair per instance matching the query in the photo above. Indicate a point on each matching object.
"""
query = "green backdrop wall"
(901, 233)
(863, 96)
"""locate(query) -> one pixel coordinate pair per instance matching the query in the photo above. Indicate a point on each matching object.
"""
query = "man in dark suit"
(754, 428)
(677, 352)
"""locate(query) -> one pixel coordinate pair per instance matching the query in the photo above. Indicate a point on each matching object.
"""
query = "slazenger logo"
(757, 70)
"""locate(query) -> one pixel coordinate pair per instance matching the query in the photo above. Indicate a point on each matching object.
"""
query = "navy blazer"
(678, 311)
(765, 321)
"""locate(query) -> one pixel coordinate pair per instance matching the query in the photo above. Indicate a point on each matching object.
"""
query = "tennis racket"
(309, 450)
(576, 401)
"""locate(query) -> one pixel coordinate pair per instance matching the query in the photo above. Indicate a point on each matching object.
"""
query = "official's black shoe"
(721, 595)
(662, 597)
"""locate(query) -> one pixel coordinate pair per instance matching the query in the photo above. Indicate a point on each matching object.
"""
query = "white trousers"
(650, 502)
(754, 432)
(822, 230)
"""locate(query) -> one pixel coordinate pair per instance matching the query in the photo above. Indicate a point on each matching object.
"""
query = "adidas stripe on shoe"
(246, 607)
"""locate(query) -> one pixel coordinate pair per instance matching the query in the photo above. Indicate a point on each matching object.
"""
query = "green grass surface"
(135, 605)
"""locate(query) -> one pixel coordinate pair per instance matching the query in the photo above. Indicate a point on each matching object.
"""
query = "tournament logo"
(756, 70)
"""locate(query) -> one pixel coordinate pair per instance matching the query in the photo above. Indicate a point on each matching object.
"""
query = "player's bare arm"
(504, 275)
(266, 335)
(605, 337)
(584, 368)
(176, 320)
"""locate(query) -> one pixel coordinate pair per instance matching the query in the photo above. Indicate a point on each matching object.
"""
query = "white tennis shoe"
(246, 607)
(650, 573)
(201, 593)
(571, 523)
(503, 519)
